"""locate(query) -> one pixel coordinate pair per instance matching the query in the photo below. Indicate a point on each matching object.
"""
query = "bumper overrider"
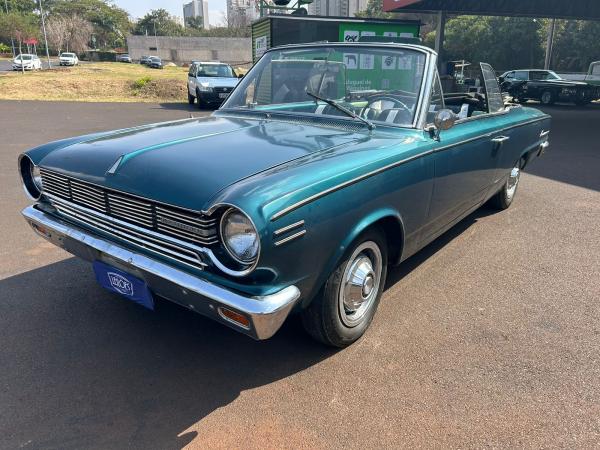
(264, 315)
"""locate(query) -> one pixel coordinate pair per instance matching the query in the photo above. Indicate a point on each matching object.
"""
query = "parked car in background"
(68, 59)
(155, 62)
(296, 195)
(545, 86)
(26, 61)
(124, 58)
(144, 59)
(593, 77)
(209, 83)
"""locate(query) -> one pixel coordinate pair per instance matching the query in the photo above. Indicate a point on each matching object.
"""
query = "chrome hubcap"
(511, 183)
(360, 283)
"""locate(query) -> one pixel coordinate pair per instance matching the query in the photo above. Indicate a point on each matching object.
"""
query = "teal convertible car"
(326, 164)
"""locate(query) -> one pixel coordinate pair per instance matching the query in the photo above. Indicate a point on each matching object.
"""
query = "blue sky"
(138, 8)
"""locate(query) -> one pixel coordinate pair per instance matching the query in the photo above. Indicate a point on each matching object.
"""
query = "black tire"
(201, 104)
(323, 320)
(191, 99)
(547, 98)
(506, 195)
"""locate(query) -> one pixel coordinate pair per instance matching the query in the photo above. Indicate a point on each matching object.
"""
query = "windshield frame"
(422, 99)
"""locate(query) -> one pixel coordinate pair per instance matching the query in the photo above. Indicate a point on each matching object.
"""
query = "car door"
(465, 161)
(192, 79)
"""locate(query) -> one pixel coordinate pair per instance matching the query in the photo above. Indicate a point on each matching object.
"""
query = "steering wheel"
(383, 98)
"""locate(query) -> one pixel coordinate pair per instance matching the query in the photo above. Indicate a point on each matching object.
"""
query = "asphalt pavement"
(489, 337)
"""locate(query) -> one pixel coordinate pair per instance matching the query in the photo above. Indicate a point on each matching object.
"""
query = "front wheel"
(191, 99)
(345, 307)
(547, 98)
(505, 196)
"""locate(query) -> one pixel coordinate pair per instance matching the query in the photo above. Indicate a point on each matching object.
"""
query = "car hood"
(186, 163)
(218, 81)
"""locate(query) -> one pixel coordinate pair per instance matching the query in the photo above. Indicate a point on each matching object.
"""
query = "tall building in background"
(241, 12)
(342, 8)
(194, 9)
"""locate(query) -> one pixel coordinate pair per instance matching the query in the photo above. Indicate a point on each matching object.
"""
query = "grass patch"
(97, 82)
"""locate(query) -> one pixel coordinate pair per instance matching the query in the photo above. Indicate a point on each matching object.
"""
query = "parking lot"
(489, 337)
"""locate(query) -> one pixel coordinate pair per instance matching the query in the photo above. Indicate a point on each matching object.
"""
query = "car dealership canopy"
(553, 9)
(557, 9)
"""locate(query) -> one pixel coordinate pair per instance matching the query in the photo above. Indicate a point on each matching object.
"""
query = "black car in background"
(155, 62)
(545, 86)
(145, 60)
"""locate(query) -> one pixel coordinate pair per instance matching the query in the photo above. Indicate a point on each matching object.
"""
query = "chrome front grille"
(137, 217)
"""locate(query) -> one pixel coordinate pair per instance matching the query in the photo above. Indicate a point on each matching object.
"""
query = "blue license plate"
(127, 285)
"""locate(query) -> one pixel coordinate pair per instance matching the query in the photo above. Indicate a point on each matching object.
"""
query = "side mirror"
(444, 120)
(240, 76)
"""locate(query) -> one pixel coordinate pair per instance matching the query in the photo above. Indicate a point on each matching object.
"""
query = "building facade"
(339, 8)
(194, 9)
(241, 12)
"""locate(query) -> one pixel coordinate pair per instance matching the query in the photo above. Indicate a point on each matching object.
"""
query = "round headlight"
(31, 177)
(239, 236)
(36, 176)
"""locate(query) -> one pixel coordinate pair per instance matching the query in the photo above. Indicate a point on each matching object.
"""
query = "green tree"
(375, 9)
(159, 21)
(504, 42)
(196, 23)
(111, 24)
(575, 45)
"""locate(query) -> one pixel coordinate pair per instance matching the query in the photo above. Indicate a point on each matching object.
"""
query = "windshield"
(544, 75)
(68, 55)
(215, 70)
(24, 57)
(375, 83)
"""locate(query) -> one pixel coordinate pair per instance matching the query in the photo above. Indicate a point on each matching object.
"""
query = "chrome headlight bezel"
(225, 239)
(30, 177)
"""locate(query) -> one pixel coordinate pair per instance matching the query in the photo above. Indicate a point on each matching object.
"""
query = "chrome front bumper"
(265, 314)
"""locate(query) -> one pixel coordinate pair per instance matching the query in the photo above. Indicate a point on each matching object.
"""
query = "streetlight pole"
(45, 37)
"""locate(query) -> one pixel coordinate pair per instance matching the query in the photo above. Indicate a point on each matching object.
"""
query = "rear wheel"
(547, 98)
(347, 303)
(505, 196)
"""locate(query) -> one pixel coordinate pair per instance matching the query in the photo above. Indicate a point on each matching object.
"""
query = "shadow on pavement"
(96, 371)
(574, 153)
(396, 273)
(182, 106)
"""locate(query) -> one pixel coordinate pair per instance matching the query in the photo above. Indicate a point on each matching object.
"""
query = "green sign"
(379, 69)
(352, 32)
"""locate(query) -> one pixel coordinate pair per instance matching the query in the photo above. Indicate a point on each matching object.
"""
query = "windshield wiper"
(341, 108)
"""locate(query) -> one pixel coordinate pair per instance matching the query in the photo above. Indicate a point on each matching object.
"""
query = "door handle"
(500, 139)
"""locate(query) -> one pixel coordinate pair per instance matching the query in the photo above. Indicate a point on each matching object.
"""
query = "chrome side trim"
(290, 238)
(543, 134)
(266, 313)
(325, 192)
(289, 227)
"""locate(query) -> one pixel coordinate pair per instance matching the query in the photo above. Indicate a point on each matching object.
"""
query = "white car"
(27, 62)
(210, 82)
(68, 59)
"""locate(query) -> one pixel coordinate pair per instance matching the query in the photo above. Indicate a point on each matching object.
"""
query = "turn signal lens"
(235, 317)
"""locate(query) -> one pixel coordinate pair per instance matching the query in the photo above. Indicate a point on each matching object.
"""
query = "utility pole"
(12, 41)
(45, 37)
(550, 43)
(155, 38)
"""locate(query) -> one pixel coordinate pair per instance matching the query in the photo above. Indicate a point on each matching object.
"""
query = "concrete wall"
(186, 49)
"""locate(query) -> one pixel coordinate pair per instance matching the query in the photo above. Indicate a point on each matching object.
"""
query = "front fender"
(394, 234)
